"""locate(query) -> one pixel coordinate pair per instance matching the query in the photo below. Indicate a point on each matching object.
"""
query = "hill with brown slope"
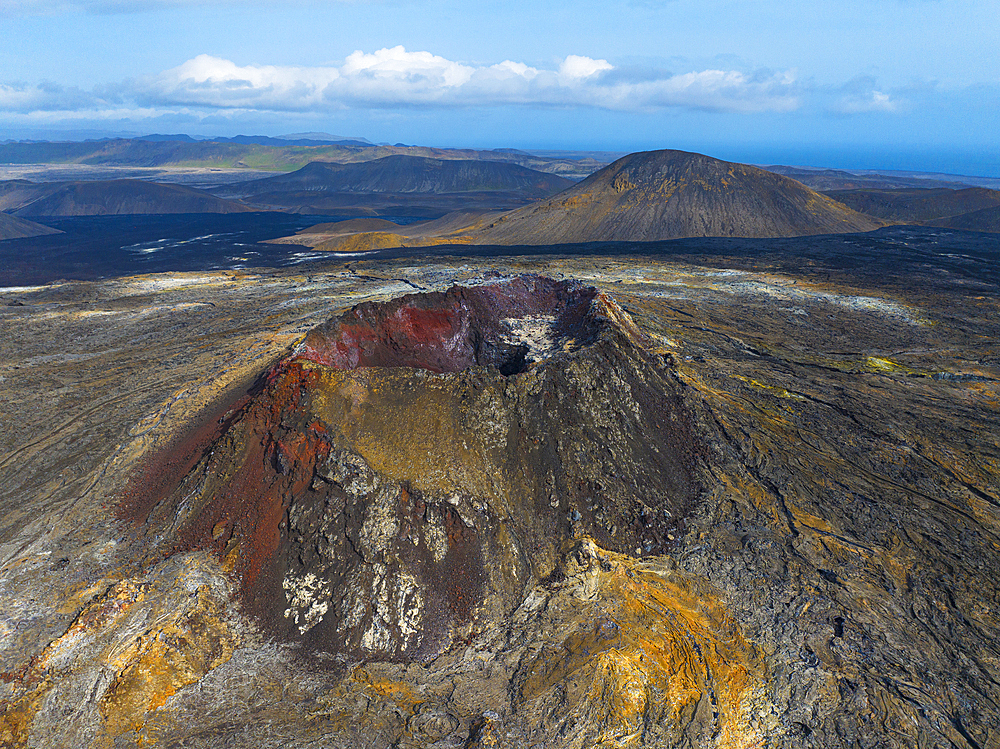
(12, 227)
(985, 219)
(337, 232)
(123, 197)
(351, 226)
(667, 194)
(917, 204)
(366, 234)
(410, 174)
(18, 193)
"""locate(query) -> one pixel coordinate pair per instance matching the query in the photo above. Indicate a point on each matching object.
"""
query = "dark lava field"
(93, 247)
(99, 247)
(699, 493)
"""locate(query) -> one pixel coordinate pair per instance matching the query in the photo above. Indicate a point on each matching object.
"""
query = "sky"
(890, 84)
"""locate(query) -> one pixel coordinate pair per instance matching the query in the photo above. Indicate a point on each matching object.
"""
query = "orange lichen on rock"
(398, 692)
(33, 681)
(154, 667)
(651, 648)
(18, 713)
(148, 659)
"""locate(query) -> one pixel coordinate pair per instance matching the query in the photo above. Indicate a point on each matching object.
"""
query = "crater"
(397, 481)
(509, 325)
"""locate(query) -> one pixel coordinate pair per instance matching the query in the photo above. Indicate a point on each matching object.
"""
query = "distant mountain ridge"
(328, 137)
(838, 179)
(410, 174)
(108, 198)
(303, 139)
(262, 152)
(917, 204)
(264, 140)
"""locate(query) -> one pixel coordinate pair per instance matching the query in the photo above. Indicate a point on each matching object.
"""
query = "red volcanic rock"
(449, 331)
(251, 497)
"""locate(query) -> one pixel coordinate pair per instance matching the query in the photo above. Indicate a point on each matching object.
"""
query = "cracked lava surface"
(723, 502)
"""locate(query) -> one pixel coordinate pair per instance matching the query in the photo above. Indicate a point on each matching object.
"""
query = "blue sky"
(907, 84)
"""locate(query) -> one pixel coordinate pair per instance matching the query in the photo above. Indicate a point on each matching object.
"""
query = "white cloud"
(213, 82)
(514, 68)
(720, 90)
(860, 95)
(394, 77)
(400, 65)
(45, 97)
(38, 118)
(871, 101)
(575, 67)
(20, 98)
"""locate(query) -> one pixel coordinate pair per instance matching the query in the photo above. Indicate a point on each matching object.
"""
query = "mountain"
(18, 193)
(649, 196)
(666, 194)
(985, 219)
(303, 139)
(400, 185)
(118, 197)
(261, 152)
(145, 152)
(162, 138)
(264, 140)
(917, 204)
(425, 436)
(12, 227)
(836, 179)
(410, 174)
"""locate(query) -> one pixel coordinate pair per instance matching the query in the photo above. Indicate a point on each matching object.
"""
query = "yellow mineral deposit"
(148, 658)
(648, 645)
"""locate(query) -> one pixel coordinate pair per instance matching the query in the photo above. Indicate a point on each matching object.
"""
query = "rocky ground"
(820, 444)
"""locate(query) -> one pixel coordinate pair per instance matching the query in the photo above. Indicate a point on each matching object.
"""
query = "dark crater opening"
(509, 325)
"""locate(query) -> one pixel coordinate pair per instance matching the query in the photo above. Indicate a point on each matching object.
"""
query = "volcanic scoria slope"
(400, 479)
(694, 512)
(666, 194)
